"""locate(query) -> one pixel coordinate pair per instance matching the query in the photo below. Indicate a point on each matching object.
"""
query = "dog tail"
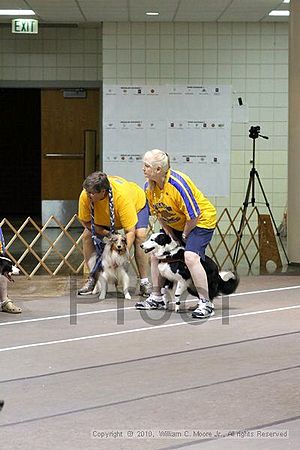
(228, 282)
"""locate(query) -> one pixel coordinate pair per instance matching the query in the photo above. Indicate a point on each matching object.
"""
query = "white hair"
(157, 158)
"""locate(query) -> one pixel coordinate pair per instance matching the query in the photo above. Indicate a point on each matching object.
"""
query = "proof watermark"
(149, 316)
(188, 434)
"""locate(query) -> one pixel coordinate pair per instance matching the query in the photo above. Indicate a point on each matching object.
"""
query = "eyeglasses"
(92, 192)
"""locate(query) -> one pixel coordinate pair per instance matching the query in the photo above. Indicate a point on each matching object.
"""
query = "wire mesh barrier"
(52, 248)
(55, 248)
(227, 237)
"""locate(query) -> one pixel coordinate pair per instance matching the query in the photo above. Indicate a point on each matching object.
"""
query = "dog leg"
(92, 261)
(165, 293)
(180, 288)
(98, 286)
(103, 283)
(125, 284)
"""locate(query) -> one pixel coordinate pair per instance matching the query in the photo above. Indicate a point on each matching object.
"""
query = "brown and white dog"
(115, 259)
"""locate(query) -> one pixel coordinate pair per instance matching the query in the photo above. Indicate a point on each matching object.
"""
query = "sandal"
(9, 307)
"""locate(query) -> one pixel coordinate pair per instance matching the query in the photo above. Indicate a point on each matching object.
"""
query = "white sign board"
(191, 123)
(27, 26)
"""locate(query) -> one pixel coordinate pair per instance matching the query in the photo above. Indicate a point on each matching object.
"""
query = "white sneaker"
(152, 302)
(204, 310)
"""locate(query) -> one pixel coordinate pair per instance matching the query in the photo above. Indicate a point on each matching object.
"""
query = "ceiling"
(95, 11)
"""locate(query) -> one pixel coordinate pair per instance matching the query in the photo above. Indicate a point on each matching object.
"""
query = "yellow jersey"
(128, 197)
(180, 201)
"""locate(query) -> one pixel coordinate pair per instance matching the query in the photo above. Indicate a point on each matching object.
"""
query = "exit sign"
(29, 26)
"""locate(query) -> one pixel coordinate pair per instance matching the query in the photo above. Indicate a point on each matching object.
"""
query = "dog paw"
(127, 296)
(177, 307)
(102, 296)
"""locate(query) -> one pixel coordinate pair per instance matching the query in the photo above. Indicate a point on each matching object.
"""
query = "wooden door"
(63, 125)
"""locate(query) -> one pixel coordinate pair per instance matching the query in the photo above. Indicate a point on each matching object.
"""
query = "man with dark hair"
(118, 203)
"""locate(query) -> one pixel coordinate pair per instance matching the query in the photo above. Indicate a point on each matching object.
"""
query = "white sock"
(156, 297)
(144, 280)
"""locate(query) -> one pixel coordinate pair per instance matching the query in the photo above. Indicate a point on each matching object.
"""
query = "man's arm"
(130, 236)
(189, 226)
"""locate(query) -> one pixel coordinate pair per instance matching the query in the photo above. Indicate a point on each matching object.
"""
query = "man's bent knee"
(140, 236)
(191, 258)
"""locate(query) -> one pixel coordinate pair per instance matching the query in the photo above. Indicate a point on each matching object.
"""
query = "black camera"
(254, 132)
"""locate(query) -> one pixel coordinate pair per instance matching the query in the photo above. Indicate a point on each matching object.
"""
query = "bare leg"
(90, 261)
(6, 304)
(3, 289)
(157, 280)
(88, 246)
(141, 259)
(198, 273)
(155, 299)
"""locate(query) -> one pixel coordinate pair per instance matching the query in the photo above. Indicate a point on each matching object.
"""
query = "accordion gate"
(58, 249)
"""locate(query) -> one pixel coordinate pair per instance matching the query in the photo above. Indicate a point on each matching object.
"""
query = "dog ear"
(106, 239)
(163, 239)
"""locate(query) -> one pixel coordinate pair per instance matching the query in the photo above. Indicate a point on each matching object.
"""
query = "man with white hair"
(187, 216)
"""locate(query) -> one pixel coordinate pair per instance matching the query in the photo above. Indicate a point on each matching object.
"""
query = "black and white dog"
(7, 268)
(115, 259)
(172, 267)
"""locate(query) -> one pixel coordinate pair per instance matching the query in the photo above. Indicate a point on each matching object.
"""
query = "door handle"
(64, 155)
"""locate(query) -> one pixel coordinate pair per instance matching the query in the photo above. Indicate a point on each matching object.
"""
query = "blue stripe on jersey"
(146, 185)
(187, 187)
(186, 200)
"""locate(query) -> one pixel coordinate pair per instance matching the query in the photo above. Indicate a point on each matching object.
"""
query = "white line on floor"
(138, 330)
(102, 311)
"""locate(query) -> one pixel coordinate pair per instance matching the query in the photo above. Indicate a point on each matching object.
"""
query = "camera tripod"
(254, 134)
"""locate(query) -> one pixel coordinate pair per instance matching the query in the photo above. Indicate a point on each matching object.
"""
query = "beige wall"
(55, 53)
(252, 57)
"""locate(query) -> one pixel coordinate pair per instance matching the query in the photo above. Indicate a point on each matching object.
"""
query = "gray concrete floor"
(162, 380)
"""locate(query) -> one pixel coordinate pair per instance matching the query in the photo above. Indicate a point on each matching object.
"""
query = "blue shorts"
(197, 240)
(143, 217)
